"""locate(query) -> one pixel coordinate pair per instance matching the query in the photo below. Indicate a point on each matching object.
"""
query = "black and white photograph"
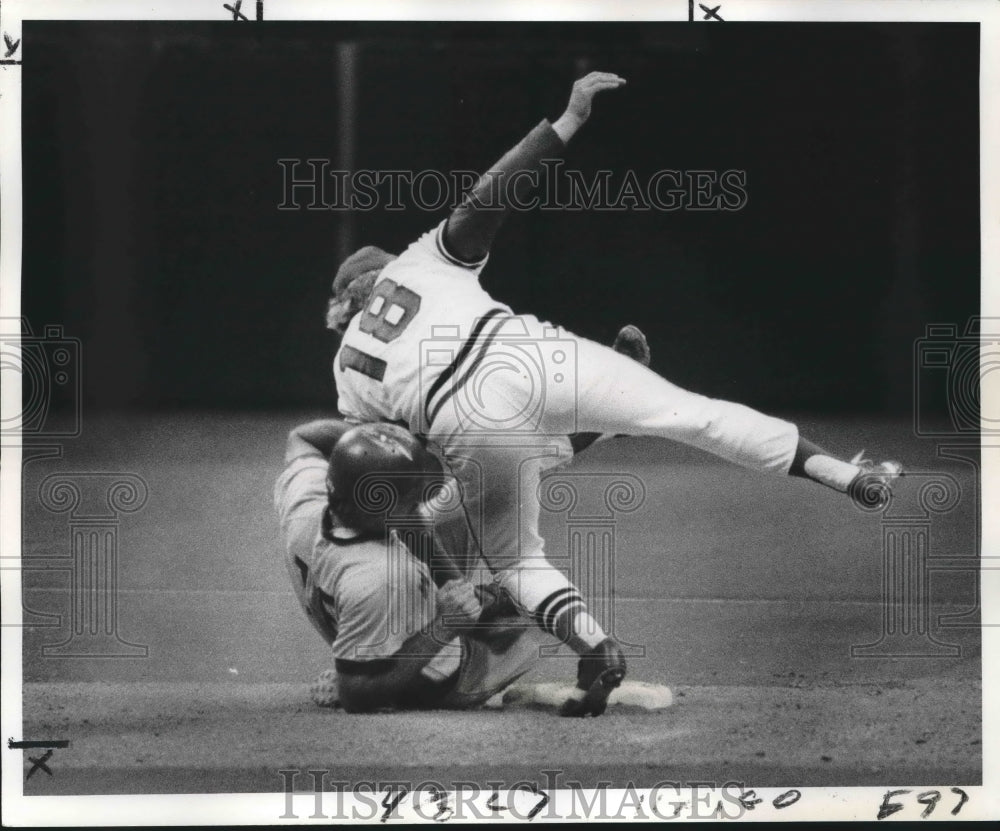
(418, 413)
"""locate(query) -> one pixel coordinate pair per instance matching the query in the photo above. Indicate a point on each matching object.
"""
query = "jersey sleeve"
(431, 246)
(381, 602)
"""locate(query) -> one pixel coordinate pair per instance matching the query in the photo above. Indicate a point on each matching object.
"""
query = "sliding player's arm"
(400, 680)
(315, 438)
(471, 228)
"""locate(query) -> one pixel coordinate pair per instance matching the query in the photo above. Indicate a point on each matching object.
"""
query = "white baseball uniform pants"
(509, 420)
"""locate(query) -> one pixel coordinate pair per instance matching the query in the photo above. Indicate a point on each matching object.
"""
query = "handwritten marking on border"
(38, 763)
(235, 9)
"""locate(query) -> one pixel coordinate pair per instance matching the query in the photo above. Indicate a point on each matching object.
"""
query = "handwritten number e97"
(929, 799)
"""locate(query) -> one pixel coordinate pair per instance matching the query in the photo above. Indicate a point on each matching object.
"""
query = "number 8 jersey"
(421, 323)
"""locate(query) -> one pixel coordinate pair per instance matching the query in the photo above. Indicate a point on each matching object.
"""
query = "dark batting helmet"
(380, 472)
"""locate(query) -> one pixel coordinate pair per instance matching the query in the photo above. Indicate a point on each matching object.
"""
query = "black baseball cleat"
(632, 342)
(871, 489)
(601, 670)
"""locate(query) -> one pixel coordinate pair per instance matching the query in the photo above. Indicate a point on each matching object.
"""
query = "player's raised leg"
(499, 478)
(630, 342)
(616, 395)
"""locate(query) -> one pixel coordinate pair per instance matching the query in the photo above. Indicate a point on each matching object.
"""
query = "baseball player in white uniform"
(424, 344)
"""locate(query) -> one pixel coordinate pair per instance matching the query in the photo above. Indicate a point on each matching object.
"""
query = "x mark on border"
(235, 9)
(711, 13)
(38, 764)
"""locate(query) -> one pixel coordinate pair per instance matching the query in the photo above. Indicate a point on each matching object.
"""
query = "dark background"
(151, 187)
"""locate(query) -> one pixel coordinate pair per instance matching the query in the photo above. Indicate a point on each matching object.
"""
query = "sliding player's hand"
(582, 97)
(457, 603)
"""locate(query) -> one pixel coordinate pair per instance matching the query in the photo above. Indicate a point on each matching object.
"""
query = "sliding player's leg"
(486, 670)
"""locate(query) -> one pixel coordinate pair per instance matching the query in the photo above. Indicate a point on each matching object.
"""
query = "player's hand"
(582, 97)
(457, 603)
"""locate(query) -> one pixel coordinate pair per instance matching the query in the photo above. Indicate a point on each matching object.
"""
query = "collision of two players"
(472, 574)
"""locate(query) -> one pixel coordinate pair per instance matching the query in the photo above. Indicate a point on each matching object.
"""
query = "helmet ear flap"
(435, 470)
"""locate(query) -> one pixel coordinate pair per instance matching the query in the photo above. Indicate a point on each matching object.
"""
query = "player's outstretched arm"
(315, 436)
(472, 226)
(399, 681)
(581, 101)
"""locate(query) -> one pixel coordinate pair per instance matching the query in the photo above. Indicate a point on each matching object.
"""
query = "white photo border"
(252, 809)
